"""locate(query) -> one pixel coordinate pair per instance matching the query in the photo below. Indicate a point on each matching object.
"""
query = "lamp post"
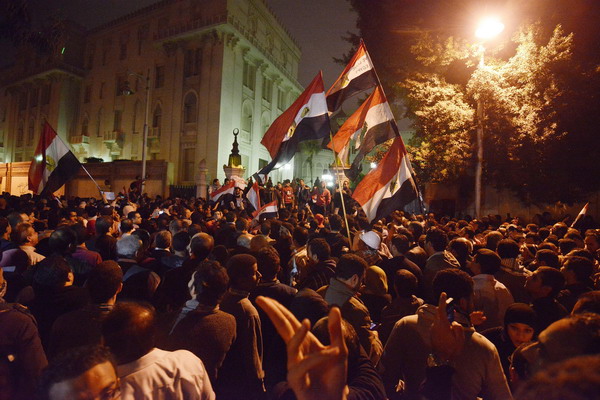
(487, 29)
(127, 91)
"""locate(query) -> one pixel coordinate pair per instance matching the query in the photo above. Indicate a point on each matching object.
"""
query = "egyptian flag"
(388, 187)
(253, 196)
(225, 189)
(267, 211)
(581, 214)
(53, 163)
(359, 75)
(372, 124)
(306, 119)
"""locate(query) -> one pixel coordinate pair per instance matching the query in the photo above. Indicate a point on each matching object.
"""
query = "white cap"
(371, 239)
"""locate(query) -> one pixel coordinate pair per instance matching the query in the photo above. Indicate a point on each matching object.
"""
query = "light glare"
(489, 28)
(373, 165)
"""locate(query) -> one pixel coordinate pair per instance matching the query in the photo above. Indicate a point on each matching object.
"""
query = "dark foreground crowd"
(182, 299)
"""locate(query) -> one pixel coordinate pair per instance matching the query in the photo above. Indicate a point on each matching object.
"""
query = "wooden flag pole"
(337, 166)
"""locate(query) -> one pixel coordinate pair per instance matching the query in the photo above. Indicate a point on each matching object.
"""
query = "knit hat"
(520, 313)
(371, 239)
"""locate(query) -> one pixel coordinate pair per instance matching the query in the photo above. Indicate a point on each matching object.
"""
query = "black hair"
(210, 282)
(437, 238)
(488, 260)
(552, 278)
(508, 248)
(268, 262)
(320, 248)
(350, 265)
(454, 282)
(103, 281)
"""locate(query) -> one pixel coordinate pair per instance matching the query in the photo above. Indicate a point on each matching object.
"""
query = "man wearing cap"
(368, 247)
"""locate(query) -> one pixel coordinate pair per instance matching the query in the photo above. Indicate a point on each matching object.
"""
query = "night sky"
(317, 25)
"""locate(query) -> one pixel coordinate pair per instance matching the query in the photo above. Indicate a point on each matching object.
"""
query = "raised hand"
(447, 340)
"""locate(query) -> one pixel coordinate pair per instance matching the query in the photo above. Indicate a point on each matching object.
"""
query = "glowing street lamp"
(488, 29)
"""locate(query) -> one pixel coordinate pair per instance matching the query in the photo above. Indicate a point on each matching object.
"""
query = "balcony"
(111, 137)
(114, 142)
(154, 133)
(80, 143)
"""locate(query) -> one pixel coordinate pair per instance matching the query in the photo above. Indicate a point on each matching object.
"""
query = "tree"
(539, 91)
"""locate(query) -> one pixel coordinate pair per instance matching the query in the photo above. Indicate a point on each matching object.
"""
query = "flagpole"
(337, 167)
(85, 169)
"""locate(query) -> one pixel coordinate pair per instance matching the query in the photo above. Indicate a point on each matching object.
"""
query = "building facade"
(211, 66)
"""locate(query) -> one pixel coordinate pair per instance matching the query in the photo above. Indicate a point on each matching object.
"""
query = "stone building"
(211, 66)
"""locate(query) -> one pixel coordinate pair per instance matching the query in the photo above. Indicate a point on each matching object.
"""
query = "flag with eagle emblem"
(53, 163)
(306, 119)
(359, 75)
(388, 187)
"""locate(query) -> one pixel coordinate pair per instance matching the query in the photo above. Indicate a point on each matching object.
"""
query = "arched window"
(20, 134)
(30, 132)
(84, 126)
(190, 108)
(157, 120)
(136, 113)
(247, 118)
(99, 123)
(265, 123)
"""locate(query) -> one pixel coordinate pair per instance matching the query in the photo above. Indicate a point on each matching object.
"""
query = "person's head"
(63, 241)
(400, 245)
(492, 239)
(83, 373)
(435, 240)
(24, 234)
(375, 281)
(104, 282)
(572, 336)
(370, 241)
(103, 225)
(576, 378)
(566, 245)
(128, 246)
(5, 228)
(485, 261)
(559, 229)
(15, 218)
(268, 263)
(544, 282)
(508, 248)
(129, 331)
(405, 283)
(176, 226)
(461, 248)
(181, 240)
(456, 284)
(336, 223)
(577, 270)
(135, 217)
(216, 182)
(52, 273)
(210, 282)
(351, 270)
(592, 240)
(243, 272)
(201, 246)
(547, 258)
(241, 225)
(519, 323)
(321, 331)
(126, 226)
(244, 240)
(588, 302)
(318, 250)
(300, 236)
(163, 239)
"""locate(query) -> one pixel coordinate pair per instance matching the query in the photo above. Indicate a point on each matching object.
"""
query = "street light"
(127, 91)
(488, 29)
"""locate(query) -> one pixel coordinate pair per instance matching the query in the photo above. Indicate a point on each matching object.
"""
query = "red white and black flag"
(53, 163)
(229, 188)
(359, 75)
(253, 196)
(581, 214)
(388, 187)
(306, 119)
(269, 210)
(371, 124)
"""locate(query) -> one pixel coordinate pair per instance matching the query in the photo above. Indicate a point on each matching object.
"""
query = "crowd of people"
(152, 298)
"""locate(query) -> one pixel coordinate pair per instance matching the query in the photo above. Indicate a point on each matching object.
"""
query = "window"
(157, 120)
(136, 113)
(249, 75)
(187, 165)
(142, 35)
(87, 96)
(188, 63)
(84, 127)
(35, 94)
(247, 120)
(90, 58)
(101, 91)
(20, 134)
(198, 62)
(46, 91)
(120, 85)
(22, 101)
(190, 108)
(123, 51)
(267, 89)
(280, 99)
(117, 121)
(30, 132)
(104, 56)
(99, 124)
(159, 76)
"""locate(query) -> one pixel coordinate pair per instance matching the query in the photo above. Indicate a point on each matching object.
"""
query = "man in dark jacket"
(322, 268)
